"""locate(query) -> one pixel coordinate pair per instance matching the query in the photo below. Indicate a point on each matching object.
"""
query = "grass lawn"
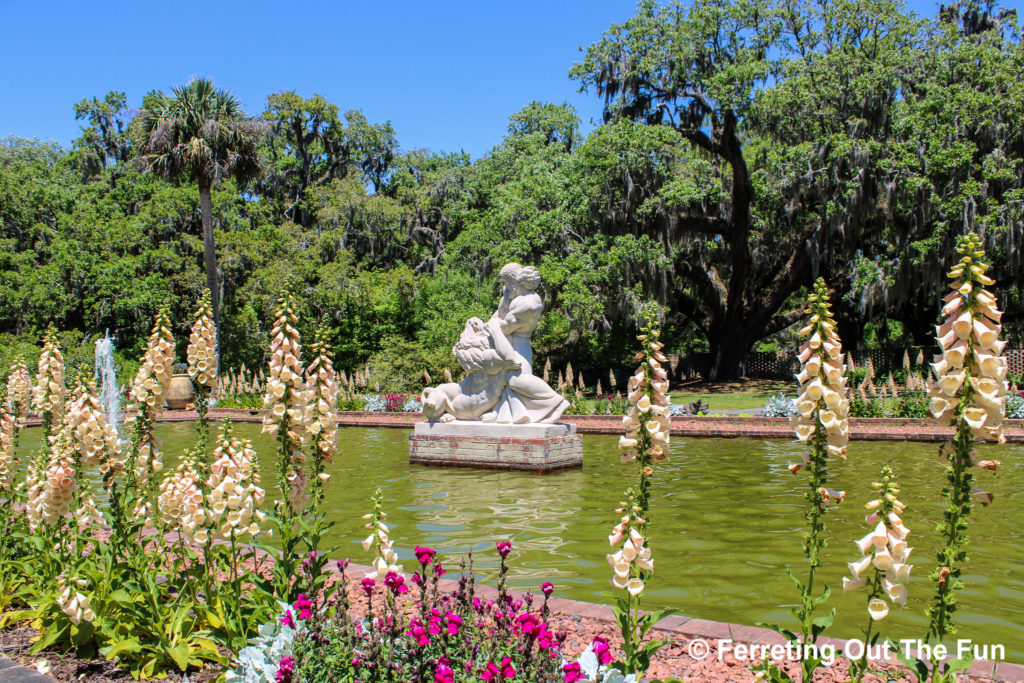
(736, 395)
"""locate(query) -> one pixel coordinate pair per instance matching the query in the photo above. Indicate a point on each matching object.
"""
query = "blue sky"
(446, 74)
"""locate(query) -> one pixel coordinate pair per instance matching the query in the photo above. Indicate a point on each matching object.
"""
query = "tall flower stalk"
(7, 431)
(19, 395)
(882, 568)
(286, 400)
(645, 442)
(822, 423)
(88, 432)
(202, 364)
(148, 390)
(379, 541)
(322, 389)
(968, 393)
(48, 396)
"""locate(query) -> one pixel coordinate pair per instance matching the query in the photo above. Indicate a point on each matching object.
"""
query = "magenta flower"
(602, 650)
(396, 582)
(507, 670)
(368, 585)
(343, 565)
(572, 672)
(288, 619)
(454, 623)
(439, 570)
(424, 555)
(491, 673)
(546, 640)
(285, 668)
(547, 588)
(418, 633)
(444, 673)
(529, 624)
(305, 607)
(504, 548)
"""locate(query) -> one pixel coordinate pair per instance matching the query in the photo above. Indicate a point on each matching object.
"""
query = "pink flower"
(444, 673)
(368, 585)
(547, 588)
(439, 570)
(529, 624)
(504, 548)
(454, 622)
(546, 639)
(572, 672)
(288, 619)
(507, 670)
(491, 673)
(424, 555)
(396, 582)
(285, 668)
(602, 650)
(304, 606)
(419, 633)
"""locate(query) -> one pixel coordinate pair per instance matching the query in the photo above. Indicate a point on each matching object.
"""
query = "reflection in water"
(461, 510)
(727, 521)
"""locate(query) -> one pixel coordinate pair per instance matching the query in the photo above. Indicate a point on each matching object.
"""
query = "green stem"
(862, 663)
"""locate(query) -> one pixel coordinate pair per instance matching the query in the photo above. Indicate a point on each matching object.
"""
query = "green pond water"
(727, 519)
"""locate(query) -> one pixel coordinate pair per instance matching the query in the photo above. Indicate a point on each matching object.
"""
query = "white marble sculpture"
(499, 385)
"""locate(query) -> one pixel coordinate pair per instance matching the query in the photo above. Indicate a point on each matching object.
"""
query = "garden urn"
(180, 392)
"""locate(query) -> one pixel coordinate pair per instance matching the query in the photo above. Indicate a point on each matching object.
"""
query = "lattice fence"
(783, 364)
(1014, 361)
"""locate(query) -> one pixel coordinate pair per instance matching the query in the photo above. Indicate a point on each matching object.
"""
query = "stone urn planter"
(181, 392)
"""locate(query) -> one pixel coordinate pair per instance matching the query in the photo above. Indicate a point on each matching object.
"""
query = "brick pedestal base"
(537, 447)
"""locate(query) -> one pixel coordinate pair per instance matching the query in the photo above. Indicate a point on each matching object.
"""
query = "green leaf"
(792, 637)
(50, 637)
(819, 624)
(958, 664)
(180, 654)
(129, 645)
(823, 597)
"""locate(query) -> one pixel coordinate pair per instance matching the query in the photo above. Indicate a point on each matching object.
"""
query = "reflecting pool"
(726, 520)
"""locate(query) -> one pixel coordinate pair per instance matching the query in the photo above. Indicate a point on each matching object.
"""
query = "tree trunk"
(210, 256)
(729, 349)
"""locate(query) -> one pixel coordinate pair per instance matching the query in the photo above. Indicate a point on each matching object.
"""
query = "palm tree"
(200, 134)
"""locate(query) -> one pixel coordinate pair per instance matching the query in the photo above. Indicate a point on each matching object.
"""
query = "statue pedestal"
(535, 447)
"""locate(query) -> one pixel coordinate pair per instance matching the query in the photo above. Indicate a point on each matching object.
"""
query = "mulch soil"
(672, 660)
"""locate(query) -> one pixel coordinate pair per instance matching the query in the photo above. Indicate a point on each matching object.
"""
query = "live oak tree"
(311, 146)
(777, 103)
(953, 162)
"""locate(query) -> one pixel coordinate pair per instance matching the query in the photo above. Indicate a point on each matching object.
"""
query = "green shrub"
(399, 367)
(351, 402)
(866, 408)
(912, 404)
(243, 400)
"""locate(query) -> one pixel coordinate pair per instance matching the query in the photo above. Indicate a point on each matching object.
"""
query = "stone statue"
(499, 385)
